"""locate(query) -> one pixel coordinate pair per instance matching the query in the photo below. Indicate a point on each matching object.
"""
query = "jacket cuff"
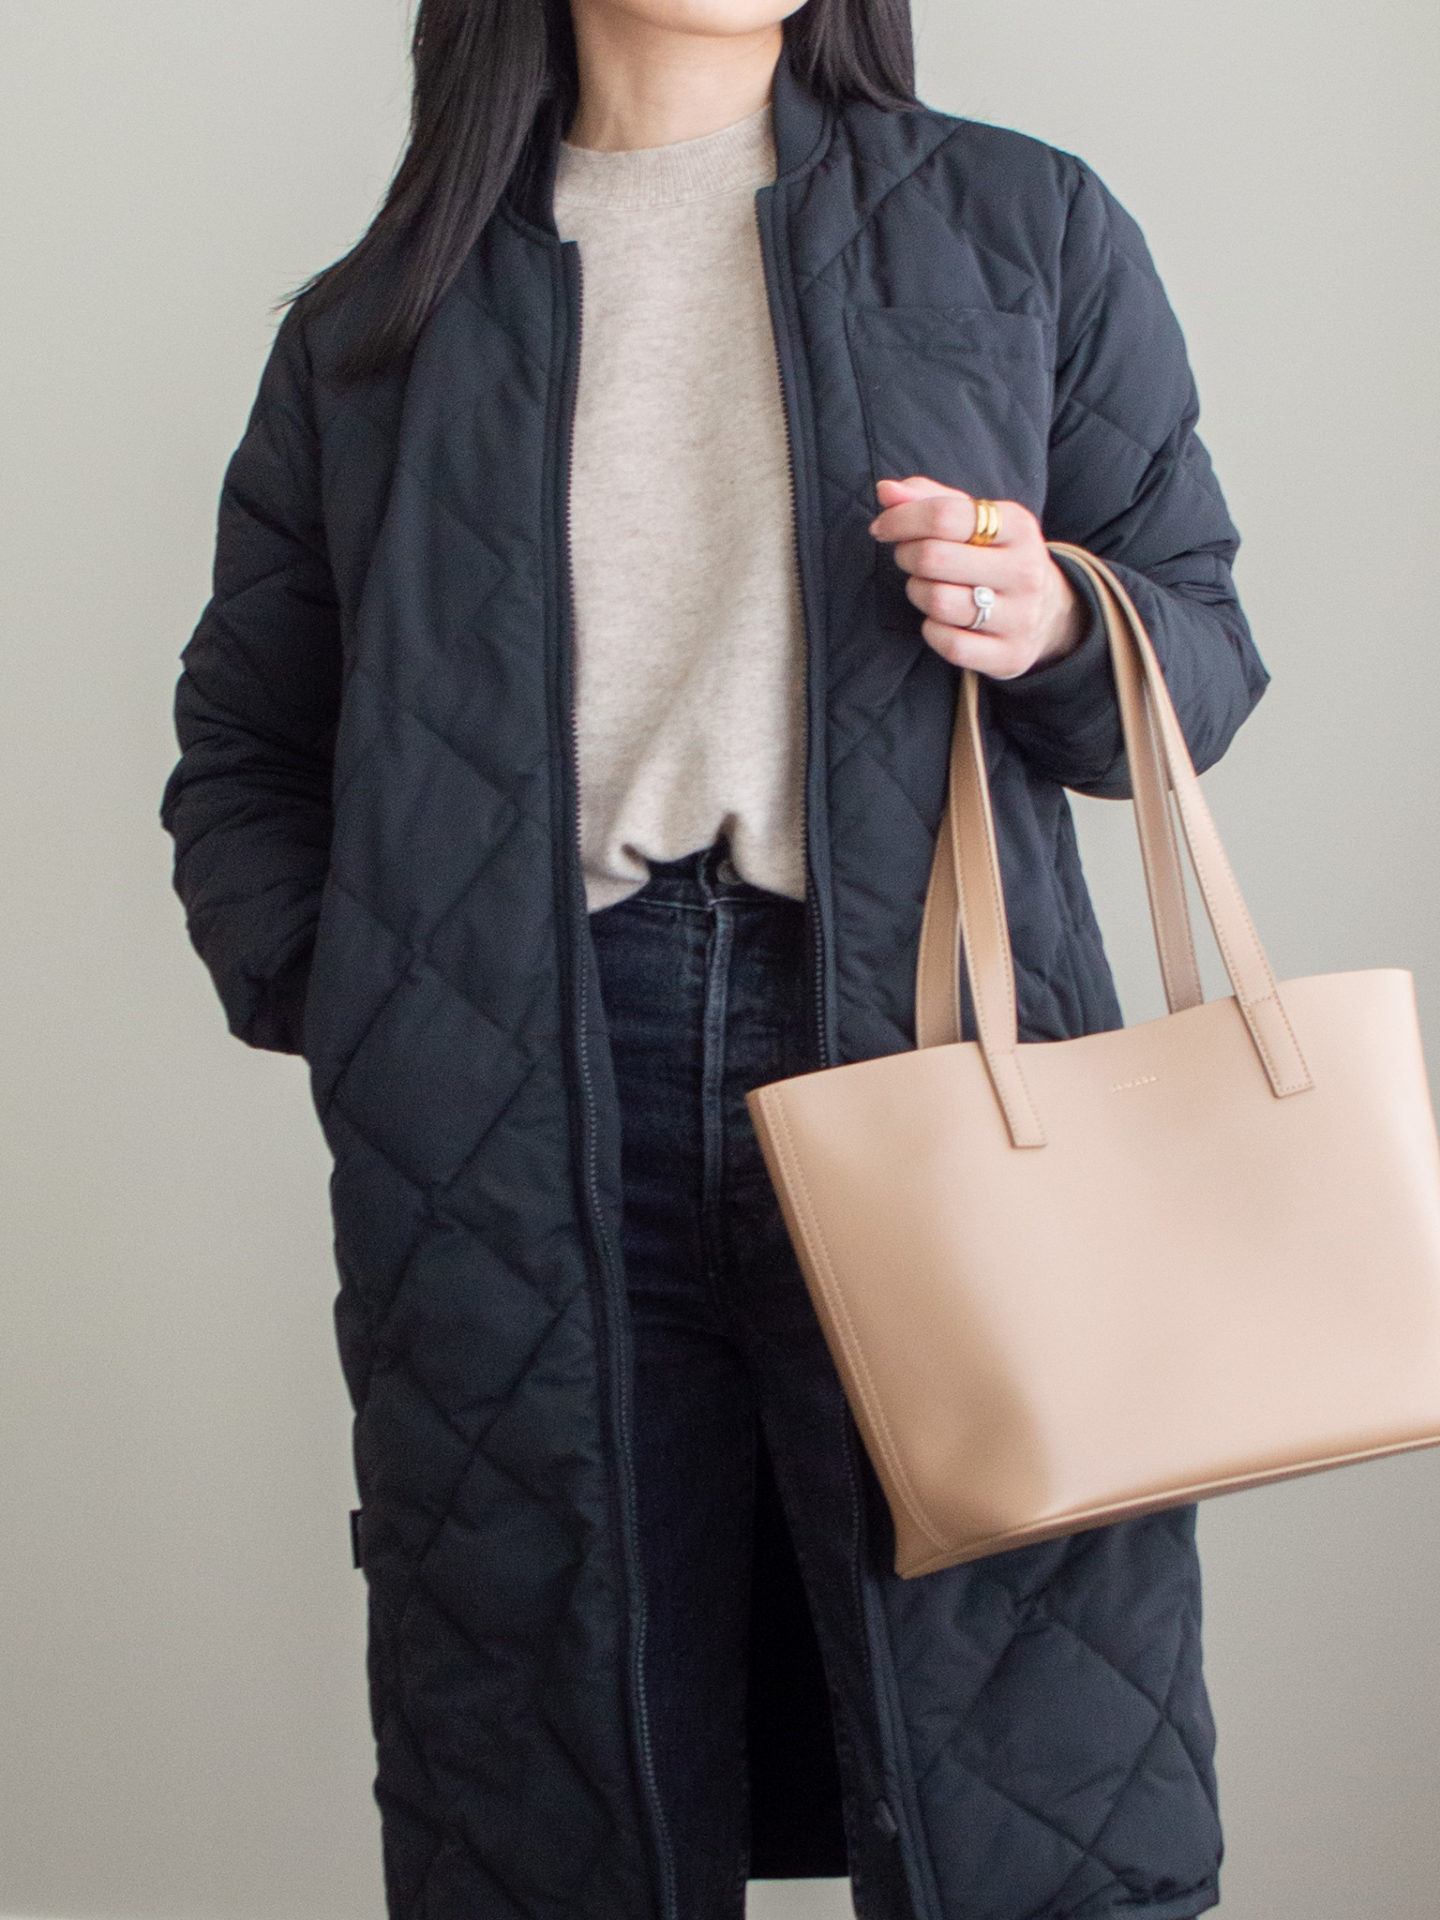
(1064, 715)
(1082, 675)
(277, 1024)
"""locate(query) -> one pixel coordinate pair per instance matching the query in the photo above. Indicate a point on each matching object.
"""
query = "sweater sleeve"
(248, 803)
(1130, 481)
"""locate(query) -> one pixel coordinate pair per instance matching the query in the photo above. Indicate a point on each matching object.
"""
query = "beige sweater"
(689, 646)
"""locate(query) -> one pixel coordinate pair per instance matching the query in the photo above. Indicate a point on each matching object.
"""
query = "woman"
(562, 755)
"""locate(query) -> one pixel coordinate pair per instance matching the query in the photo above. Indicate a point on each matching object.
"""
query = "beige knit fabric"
(689, 643)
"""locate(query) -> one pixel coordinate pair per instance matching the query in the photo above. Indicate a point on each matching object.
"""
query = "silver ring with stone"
(984, 606)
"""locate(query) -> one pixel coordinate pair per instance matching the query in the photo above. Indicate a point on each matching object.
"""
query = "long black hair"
(483, 69)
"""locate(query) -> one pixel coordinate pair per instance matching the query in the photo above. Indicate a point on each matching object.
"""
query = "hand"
(1037, 617)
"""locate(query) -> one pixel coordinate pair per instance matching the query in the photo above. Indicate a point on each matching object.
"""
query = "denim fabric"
(704, 987)
(703, 979)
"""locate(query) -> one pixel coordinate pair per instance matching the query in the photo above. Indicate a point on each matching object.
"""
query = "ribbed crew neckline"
(740, 155)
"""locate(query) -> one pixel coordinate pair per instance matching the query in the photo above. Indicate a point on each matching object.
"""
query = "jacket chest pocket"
(960, 394)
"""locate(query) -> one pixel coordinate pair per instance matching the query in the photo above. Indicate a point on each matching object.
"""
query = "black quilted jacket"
(375, 827)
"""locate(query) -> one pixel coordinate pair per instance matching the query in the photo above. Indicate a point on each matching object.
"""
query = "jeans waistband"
(701, 879)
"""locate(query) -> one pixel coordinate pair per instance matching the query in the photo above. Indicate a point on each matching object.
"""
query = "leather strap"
(964, 920)
(1155, 823)
(1245, 959)
(975, 867)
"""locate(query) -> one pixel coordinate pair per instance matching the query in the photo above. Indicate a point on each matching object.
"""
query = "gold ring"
(987, 524)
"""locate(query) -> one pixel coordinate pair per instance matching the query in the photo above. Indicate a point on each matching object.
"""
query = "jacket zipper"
(816, 918)
(617, 1332)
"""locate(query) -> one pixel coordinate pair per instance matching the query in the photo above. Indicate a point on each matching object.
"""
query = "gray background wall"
(180, 1629)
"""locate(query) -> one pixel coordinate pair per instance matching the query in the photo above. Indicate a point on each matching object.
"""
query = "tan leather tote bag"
(1074, 1281)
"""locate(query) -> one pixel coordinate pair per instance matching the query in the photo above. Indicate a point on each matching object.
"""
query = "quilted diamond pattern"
(371, 853)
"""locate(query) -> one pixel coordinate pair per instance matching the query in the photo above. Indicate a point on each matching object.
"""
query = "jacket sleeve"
(1130, 481)
(248, 803)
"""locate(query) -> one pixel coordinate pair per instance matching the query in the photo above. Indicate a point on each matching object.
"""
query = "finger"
(994, 655)
(960, 565)
(956, 606)
(947, 516)
(917, 486)
(888, 492)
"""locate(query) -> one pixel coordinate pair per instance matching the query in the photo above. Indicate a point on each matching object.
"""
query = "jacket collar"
(800, 122)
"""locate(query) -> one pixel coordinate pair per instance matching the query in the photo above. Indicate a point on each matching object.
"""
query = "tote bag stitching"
(820, 1254)
(1275, 995)
(1259, 1038)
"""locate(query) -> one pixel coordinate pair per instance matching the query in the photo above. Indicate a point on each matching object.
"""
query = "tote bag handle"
(964, 920)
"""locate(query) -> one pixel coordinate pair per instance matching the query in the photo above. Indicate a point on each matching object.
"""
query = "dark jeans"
(703, 980)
